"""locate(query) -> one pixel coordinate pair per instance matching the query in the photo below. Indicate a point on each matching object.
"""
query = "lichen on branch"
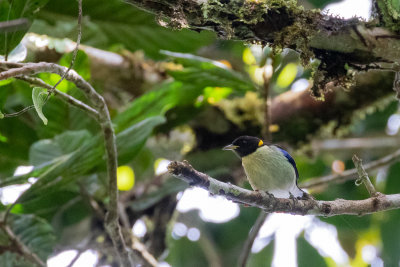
(269, 203)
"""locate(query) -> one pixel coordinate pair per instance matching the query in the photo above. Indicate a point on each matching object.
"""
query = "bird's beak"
(230, 147)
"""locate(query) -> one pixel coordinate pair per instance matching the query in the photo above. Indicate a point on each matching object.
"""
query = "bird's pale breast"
(269, 170)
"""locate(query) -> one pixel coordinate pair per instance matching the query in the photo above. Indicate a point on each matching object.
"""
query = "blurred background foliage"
(191, 94)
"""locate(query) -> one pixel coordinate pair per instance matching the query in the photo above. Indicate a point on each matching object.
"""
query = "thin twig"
(351, 174)
(63, 75)
(363, 176)
(78, 41)
(69, 99)
(111, 221)
(244, 255)
(268, 203)
(66, 97)
(267, 116)
(98, 211)
(24, 250)
(141, 249)
(14, 25)
(18, 113)
(77, 256)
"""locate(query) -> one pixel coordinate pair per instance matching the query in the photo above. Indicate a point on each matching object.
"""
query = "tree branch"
(350, 174)
(245, 253)
(111, 221)
(126, 72)
(268, 203)
(283, 23)
(67, 98)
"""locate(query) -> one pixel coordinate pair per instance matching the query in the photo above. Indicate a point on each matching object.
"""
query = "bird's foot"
(269, 194)
(294, 199)
(306, 196)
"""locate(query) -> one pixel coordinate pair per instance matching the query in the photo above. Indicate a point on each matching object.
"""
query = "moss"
(239, 19)
(389, 14)
(234, 192)
(299, 33)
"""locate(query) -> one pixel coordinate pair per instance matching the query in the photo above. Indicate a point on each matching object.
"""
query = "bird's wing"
(291, 161)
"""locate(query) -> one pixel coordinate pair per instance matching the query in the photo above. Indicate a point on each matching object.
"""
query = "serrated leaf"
(39, 99)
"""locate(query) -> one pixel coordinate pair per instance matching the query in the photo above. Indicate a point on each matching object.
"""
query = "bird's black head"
(245, 145)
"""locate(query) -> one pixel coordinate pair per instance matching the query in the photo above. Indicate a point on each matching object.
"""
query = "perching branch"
(268, 203)
(351, 174)
(111, 222)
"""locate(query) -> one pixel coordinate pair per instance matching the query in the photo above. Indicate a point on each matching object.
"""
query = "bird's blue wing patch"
(291, 160)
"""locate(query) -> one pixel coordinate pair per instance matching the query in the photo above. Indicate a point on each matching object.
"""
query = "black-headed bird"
(269, 168)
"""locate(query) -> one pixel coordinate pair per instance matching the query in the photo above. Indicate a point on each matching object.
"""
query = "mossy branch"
(283, 24)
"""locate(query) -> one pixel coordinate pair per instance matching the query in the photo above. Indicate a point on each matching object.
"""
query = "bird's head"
(245, 145)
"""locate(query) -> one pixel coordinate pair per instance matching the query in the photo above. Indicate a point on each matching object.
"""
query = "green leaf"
(113, 23)
(49, 149)
(262, 258)
(12, 10)
(157, 102)
(36, 233)
(171, 186)
(307, 255)
(287, 75)
(81, 66)
(74, 154)
(131, 140)
(389, 227)
(1, 115)
(203, 72)
(39, 96)
(9, 259)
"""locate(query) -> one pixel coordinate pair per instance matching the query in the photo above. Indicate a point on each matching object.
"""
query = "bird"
(269, 168)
